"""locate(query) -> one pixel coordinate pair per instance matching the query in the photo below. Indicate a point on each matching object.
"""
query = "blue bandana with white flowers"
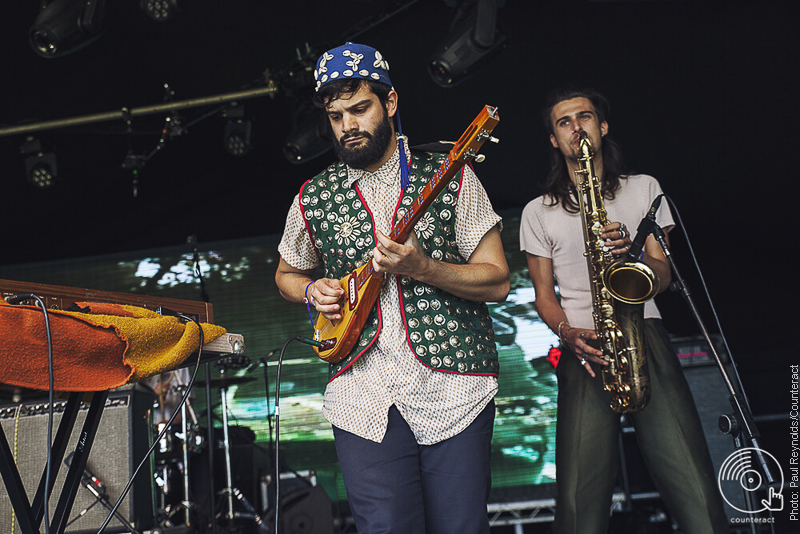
(358, 61)
(351, 61)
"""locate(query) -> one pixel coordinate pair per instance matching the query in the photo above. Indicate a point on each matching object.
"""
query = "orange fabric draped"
(101, 347)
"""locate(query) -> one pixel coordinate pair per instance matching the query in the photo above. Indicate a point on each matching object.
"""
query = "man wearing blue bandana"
(412, 405)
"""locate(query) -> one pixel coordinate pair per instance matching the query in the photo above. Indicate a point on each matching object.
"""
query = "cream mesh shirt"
(436, 405)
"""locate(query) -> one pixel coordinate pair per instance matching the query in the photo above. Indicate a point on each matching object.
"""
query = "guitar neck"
(464, 150)
(402, 230)
(438, 182)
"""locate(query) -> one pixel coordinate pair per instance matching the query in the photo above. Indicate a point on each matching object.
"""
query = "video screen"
(238, 278)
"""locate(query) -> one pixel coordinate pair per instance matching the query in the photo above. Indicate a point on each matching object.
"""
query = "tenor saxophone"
(620, 288)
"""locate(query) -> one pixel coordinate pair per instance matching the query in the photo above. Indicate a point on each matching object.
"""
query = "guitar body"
(362, 286)
(341, 337)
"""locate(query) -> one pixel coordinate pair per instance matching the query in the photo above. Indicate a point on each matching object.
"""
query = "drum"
(170, 447)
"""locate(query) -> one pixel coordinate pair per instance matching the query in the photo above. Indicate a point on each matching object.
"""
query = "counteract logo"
(740, 466)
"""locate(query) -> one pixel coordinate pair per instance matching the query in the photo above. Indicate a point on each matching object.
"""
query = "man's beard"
(373, 149)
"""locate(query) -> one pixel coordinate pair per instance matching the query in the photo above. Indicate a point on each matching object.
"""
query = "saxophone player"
(668, 429)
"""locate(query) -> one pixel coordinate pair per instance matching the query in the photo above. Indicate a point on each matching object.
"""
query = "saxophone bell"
(632, 282)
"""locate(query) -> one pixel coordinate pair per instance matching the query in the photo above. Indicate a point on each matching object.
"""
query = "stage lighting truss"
(159, 10)
(41, 169)
(64, 26)
(473, 42)
(237, 131)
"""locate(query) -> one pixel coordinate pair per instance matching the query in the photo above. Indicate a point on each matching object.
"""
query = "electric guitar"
(363, 285)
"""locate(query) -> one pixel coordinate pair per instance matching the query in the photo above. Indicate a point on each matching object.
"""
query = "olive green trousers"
(669, 435)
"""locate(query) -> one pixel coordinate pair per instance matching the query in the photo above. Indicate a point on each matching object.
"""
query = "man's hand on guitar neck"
(484, 278)
(405, 259)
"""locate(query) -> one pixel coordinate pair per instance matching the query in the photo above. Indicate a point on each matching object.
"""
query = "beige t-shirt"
(552, 232)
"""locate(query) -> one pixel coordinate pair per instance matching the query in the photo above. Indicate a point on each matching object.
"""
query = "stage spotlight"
(159, 10)
(236, 136)
(310, 139)
(41, 169)
(64, 26)
(472, 44)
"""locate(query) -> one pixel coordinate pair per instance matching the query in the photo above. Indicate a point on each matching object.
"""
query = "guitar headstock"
(466, 148)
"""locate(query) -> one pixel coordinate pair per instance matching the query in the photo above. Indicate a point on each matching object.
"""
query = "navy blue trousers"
(402, 487)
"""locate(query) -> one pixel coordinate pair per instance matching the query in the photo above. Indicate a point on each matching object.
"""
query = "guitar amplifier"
(694, 350)
(121, 442)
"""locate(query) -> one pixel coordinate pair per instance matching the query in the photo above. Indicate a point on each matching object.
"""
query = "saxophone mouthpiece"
(585, 145)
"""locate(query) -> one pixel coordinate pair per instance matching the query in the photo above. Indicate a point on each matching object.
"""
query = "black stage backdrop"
(702, 98)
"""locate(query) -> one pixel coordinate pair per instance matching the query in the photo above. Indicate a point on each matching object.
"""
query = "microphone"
(645, 229)
(86, 473)
(198, 272)
(261, 361)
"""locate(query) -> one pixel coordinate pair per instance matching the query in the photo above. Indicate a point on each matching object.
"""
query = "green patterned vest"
(445, 332)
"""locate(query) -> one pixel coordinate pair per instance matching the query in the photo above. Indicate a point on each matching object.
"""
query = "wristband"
(560, 335)
(308, 306)
(308, 298)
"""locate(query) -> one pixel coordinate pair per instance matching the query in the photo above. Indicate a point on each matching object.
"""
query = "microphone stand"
(192, 240)
(740, 424)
